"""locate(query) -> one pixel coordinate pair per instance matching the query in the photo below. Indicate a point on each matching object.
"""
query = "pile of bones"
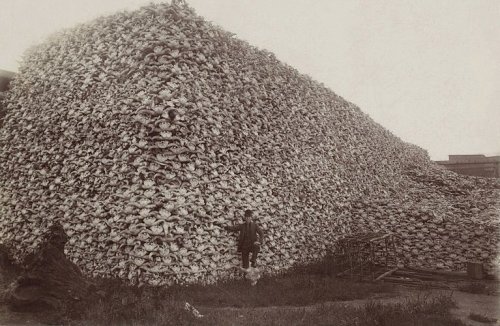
(145, 133)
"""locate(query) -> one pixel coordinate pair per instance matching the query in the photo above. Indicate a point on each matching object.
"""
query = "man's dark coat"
(247, 234)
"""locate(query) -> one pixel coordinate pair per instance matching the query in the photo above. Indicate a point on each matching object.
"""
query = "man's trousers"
(245, 255)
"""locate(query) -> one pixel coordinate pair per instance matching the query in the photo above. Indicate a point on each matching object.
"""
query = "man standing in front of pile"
(248, 242)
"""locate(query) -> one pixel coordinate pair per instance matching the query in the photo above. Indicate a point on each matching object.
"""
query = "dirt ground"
(486, 305)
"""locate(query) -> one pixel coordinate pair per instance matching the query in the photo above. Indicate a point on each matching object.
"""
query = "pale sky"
(427, 70)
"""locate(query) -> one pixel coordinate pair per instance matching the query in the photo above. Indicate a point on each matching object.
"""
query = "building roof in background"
(474, 158)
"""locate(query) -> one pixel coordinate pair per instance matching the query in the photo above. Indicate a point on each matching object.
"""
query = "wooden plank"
(432, 271)
(422, 277)
(386, 274)
(402, 280)
(417, 283)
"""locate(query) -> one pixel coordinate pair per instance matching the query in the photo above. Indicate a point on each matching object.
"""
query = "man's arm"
(261, 234)
(233, 227)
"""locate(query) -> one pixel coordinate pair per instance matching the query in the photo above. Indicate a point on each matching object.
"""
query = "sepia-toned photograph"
(242, 163)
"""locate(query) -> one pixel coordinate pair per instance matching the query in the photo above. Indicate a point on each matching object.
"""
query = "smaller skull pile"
(253, 275)
(145, 133)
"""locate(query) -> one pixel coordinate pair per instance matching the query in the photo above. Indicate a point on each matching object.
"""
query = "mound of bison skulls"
(145, 133)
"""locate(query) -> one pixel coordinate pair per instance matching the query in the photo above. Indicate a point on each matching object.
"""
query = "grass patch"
(115, 303)
(420, 311)
(287, 290)
(115, 300)
(303, 296)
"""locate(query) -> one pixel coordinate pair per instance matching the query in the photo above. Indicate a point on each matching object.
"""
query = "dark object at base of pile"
(49, 282)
